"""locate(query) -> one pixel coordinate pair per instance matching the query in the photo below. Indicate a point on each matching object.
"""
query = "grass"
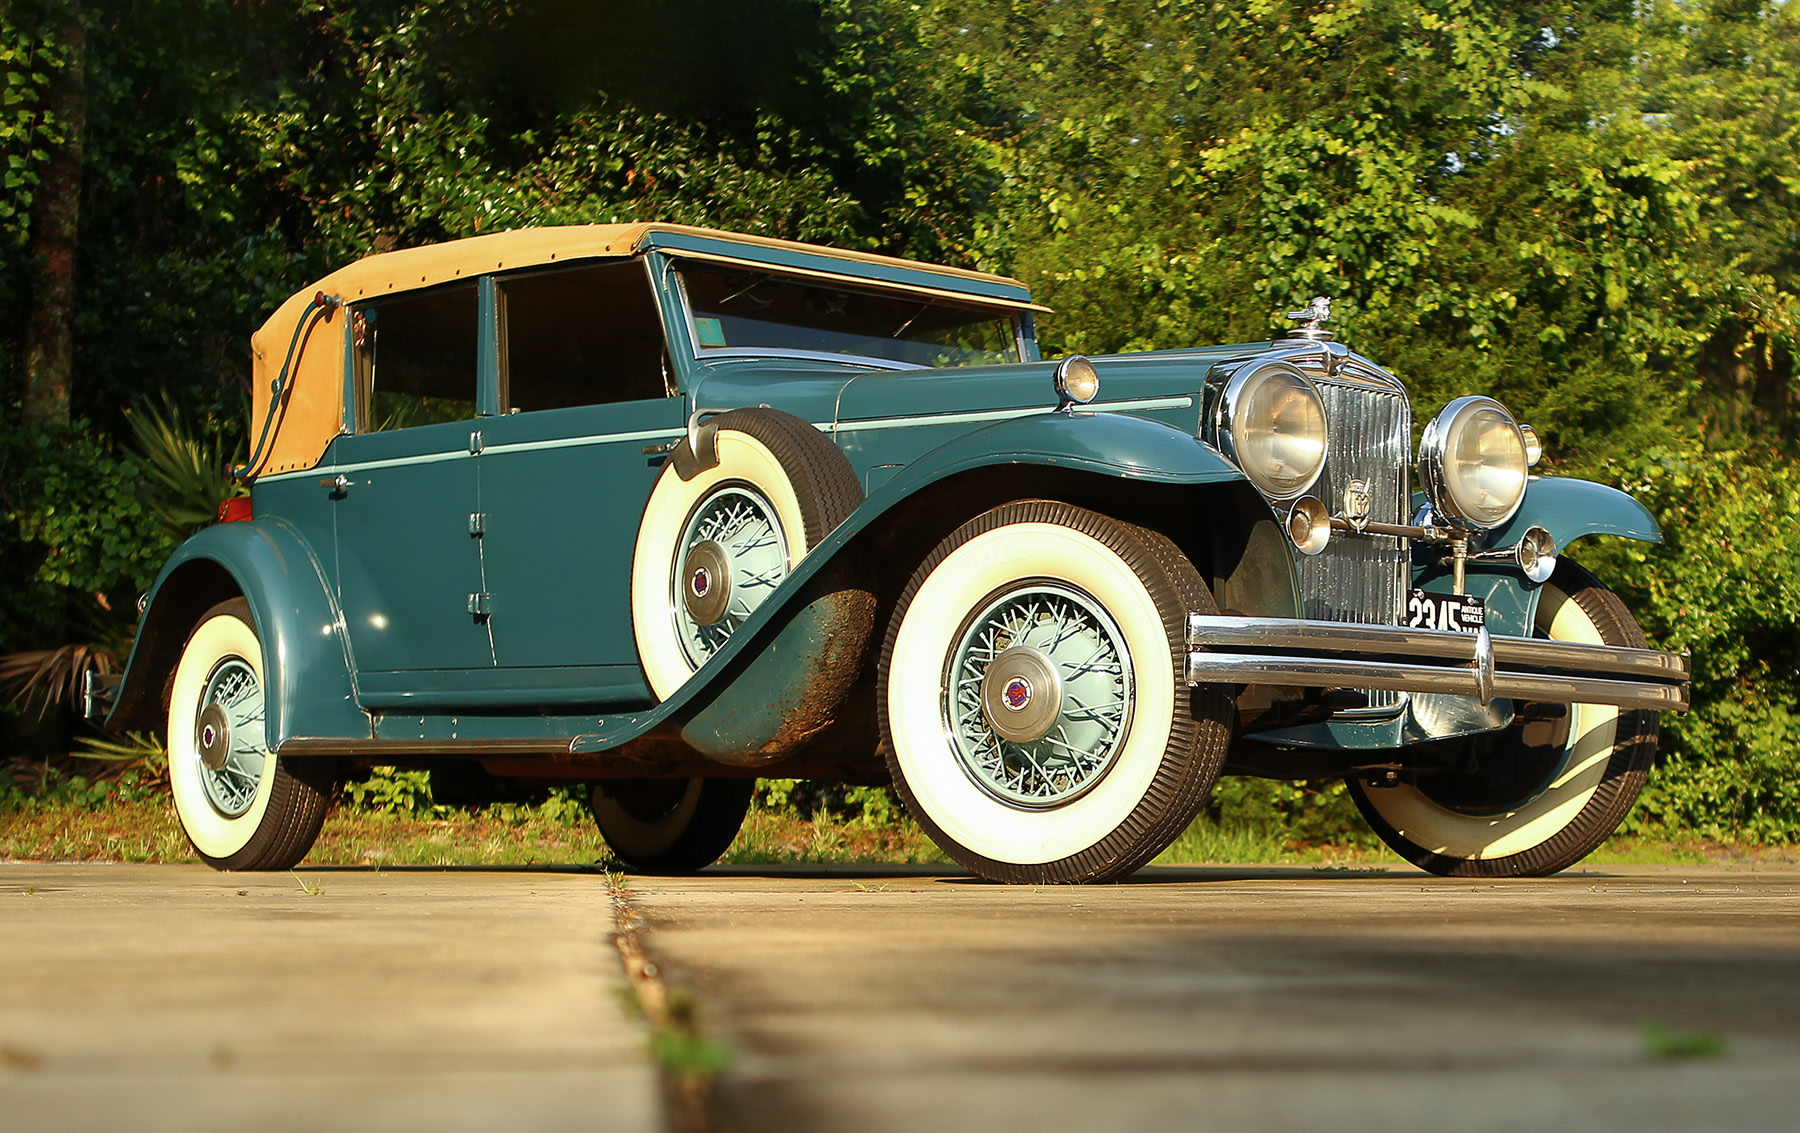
(146, 830)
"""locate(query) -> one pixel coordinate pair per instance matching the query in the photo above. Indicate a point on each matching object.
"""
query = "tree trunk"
(55, 213)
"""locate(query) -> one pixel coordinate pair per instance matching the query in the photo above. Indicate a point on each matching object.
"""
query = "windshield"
(734, 309)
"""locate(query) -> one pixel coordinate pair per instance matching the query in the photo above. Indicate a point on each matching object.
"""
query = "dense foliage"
(1589, 211)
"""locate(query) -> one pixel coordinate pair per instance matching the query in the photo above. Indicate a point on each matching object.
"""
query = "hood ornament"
(1312, 320)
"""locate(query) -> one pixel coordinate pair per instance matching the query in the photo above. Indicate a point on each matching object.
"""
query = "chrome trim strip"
(1003, 414)
(489, 450)
(578, 442)
(1282, 651)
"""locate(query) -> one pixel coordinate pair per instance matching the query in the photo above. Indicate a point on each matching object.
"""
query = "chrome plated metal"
(706, 585)
(1076, 382)
(1534, 554)
(1280, 651)
(1312, 320)
(1038, 694)
(1363, 578)
(1309, 525)
(1432, 475)
(1231, 402)
(1484, 666)
(1534, 448)
(1021, 695)
(732, 543)
(228, 738)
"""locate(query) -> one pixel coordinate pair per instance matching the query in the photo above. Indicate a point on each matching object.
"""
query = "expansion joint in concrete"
(687, 1061)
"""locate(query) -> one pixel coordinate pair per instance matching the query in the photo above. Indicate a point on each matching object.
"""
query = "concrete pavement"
(177, 998)
(872, 998)
(1252, 998)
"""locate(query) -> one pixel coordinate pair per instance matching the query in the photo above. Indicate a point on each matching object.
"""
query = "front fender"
(773, 680)
(307, 674)
(1570, 509)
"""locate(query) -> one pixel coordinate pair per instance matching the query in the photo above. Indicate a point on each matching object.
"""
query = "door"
(565, 474)
(404, 489)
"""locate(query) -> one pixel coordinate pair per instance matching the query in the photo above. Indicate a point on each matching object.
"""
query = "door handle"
(337, 483)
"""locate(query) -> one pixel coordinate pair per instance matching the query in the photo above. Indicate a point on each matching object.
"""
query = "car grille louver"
(1362, 578)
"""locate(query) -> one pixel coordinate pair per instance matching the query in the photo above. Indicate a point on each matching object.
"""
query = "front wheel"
(1034, 702)
(240, 807)
(1540, 796)
(670, 825)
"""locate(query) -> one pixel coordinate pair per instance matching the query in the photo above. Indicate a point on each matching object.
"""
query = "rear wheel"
(240, 807)
(1540, 796)
(670, 825)
(1034, 698)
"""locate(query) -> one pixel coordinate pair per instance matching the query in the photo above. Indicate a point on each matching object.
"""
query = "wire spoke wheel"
(1039, 694)
(732, 556)
(1033, 695)
(238, 803)
(229, 737)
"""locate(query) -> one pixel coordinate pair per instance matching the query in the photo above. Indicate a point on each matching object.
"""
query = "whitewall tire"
(239, 806)
(712, 548)
(1545, 793)
(1033, 697)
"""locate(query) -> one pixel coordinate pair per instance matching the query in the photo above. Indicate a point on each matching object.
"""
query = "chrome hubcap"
(732, 556)
(708, 590)
(1021, 695)
(228, 738)
(1038, 695)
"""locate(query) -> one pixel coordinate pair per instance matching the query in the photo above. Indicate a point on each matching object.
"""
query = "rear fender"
(306, 672)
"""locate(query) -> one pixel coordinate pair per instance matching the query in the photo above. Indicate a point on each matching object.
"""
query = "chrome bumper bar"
(1285, 651)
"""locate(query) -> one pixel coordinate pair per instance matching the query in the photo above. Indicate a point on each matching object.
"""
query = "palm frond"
(185, 468)
(42, 679)
(126, 747)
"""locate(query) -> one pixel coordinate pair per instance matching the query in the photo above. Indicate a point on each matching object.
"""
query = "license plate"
(1457, 613)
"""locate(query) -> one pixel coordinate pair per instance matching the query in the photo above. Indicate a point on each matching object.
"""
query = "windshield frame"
(679, 266)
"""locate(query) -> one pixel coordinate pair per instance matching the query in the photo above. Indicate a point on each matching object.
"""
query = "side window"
(580, 336)
(415, 358)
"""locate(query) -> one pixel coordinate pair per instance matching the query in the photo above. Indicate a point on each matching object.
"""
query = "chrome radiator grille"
(1362, 578)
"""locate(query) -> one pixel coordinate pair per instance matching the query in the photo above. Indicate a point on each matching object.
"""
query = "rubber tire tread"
(823, 481)
(1634, 750)
(717, 818)
(296, 811)
(1198, 738)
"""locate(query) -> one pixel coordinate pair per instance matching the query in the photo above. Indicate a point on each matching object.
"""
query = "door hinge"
(479, 605)
(478, 523)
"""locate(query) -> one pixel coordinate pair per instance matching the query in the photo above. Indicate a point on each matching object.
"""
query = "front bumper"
(1285, 651)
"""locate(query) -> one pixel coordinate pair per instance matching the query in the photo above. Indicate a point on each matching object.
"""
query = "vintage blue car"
(660, 510)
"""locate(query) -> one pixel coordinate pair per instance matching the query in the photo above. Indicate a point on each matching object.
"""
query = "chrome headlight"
(1076, 381)
(1473, 462)
(1274, 428)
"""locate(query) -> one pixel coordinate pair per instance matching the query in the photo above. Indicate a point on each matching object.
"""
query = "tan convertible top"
(315, 408)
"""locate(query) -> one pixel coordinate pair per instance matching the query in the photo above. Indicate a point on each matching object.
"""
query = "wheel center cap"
(705, 582)
(1021, 695)
(214, 737)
